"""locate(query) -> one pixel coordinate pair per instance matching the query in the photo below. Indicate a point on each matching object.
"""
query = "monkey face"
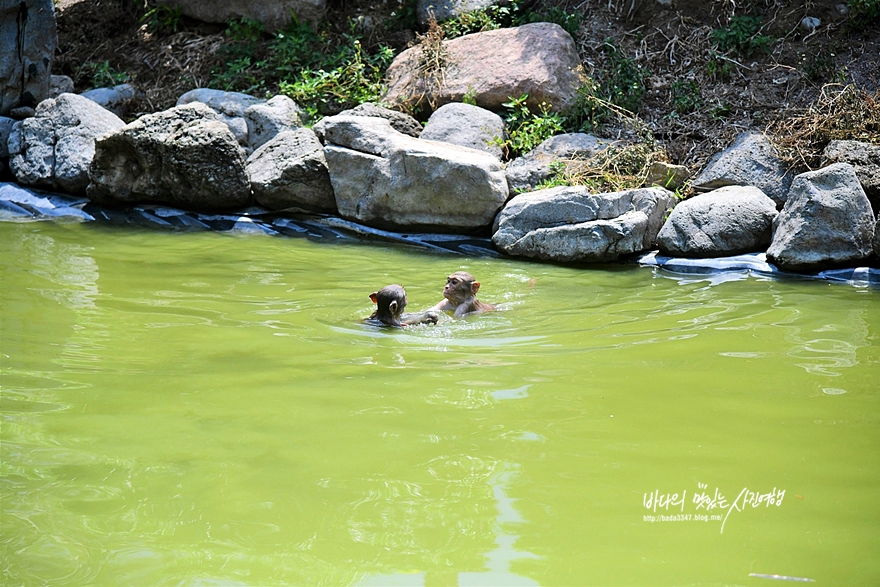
(460, 286)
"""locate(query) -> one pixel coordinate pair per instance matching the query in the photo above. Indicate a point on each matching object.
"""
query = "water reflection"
(497, 562)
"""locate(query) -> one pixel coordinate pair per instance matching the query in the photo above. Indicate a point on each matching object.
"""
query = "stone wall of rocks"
(381, 168)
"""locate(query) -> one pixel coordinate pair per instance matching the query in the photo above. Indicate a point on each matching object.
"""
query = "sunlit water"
(204, 409)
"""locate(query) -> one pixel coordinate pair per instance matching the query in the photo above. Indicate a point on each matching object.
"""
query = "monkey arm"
(426, 317)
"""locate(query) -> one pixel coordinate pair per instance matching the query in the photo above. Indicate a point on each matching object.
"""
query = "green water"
(206, 409)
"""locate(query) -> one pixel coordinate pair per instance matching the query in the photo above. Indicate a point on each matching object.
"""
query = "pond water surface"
(207, 409)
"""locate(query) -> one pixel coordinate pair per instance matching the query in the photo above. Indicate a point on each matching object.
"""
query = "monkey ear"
(475, 287)
(393, 306)
(373, 296)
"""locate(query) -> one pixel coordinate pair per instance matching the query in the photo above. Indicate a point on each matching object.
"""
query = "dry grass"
(430, 69)
(841, 112)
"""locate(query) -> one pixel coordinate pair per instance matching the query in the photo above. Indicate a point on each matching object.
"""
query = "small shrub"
(526, 129)
(162, 19)
(102, 75)
(570, 21)
(686, 96)
(742, 37)
(404, 17)
(864, 11)
(817, 67)
(323, 72)
(470, 97)
(471, 22)
(357, 80)
(589, 109)
(244, 29)
(509, 14)
(622, 80)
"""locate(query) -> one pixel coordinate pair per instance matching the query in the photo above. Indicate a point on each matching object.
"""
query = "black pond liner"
(20, 204)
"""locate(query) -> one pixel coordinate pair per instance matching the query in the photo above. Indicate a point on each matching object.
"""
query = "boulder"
(386, 179)
(865, 159)
(274, 14)
(399, 121)
(28, 39)
(115, 99)
(750, 160)
(184, 157)
(265, 121)
(60, 84)
(230, 106)
(569, 224)
(728, 221)
(467, 126)
(442, 10)
(290, 171)
(826, 222)
(55, 148)
(527, 172)
(538, 59)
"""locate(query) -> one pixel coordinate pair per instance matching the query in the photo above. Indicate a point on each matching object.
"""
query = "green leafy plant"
(162, 19)
(493, 17)
(323, 72)
(403, 17)
(742, 36)
(685, 95)
(526, 129)
(101, 75)
(244, 29)
(864, 11)
(589, 110)
(622, 79)
(570, 21)
(470, 97)
(818, 66)
(355, 80)
(718, 67)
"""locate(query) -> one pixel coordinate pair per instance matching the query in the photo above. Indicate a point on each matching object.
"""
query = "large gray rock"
(569, 224)
(184, 157)
(442, 10)
(387, 179)
(115, 99)
(290, 171)
(27, 47)
(538, 59)
(229, 106)
(826, 222)
(467, 126)
(399, 121)
(525, 173)
(728, 221)
(274, 14)
(264, 121)
(750, 160)
(55, 148)
(865, 159)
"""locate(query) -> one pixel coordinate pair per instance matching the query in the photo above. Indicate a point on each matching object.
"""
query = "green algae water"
(206, 409)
